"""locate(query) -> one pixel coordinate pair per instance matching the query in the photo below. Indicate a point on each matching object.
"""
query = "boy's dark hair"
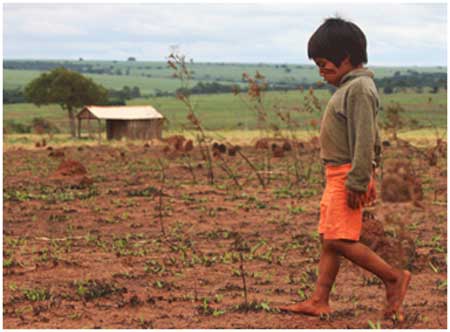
(336, 39)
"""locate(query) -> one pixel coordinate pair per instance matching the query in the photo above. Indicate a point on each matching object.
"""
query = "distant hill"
(156, 77)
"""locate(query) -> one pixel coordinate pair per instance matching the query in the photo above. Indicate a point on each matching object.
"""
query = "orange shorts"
(337, 219)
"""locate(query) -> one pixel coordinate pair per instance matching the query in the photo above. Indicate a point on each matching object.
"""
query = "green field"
(153, 76)
(219, 111)
(13, 79)
(229, 112)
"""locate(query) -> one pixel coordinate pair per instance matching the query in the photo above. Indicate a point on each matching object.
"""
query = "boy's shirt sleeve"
(378, 151)
(361, 109)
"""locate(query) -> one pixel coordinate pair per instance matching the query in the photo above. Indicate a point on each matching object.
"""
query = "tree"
(67, 88)
(135, 92)
(388, 90)
(394, 120)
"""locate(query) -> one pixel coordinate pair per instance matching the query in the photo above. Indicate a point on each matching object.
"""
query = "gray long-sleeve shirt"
(348, 132)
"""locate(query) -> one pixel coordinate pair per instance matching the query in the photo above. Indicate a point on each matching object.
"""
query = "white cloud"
(42, 28)
(217, 32)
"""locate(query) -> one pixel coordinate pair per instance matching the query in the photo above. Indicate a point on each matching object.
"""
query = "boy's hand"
(371, 195)
(355, 199)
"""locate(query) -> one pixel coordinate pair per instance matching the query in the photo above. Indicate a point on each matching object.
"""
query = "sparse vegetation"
(151, 235)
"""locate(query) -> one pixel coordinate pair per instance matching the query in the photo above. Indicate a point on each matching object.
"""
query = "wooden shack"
(132, 122)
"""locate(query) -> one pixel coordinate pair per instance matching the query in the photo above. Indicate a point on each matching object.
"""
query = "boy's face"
(330, 72)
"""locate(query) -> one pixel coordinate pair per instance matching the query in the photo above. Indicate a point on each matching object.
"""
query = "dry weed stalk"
(161, 193)
(255, 96)
(255, 101)
(188, 163)
(241, 246)
(178, 63)
(253, 167)
(311, 105)
(227, 169)
(241, 268)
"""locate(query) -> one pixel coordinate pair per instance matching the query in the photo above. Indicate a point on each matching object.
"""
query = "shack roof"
(122, 112)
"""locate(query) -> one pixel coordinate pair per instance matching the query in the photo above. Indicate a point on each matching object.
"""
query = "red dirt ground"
(127, 250)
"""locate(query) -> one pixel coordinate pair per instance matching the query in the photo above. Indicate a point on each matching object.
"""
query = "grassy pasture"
(423, 138)
(13, 79)
(229, 112)
(149, 76)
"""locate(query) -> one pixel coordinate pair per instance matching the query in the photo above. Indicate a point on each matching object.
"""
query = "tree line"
(80, 67)
(114, 97)
(412, 79)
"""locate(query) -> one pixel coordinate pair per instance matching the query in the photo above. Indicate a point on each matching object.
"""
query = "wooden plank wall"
(134, 129)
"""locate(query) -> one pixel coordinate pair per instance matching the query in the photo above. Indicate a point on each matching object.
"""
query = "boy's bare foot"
(396, 292)
(308, 307)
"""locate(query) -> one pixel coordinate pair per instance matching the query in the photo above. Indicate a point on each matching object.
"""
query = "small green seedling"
(374, 326)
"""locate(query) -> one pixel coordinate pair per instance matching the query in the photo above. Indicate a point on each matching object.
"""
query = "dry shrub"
(222, 148)
(56, 154)
(176, 141)
(372, 231)
(219, 148)
(179, 145)
(398, 250)
(313, 145)
(233, 150)
(262, 144)
(42, 143)
(188, 146)
(400, 183)
(265, 143)
(432, 156)
(315, 142)
(85, 181)
(70, 167)
(442, 147)
(38, 129)
(395, 189)
(439, 150)
(287, 146)
(278, 151)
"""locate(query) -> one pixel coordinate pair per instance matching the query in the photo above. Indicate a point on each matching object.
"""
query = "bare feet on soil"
(395, 293)
(308, 307)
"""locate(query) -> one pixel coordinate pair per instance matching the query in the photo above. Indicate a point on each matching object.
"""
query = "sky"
(397, 34)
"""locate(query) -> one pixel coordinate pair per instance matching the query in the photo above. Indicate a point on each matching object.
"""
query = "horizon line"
(209, 62)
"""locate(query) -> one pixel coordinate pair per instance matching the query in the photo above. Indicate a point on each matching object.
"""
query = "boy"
(349, 147)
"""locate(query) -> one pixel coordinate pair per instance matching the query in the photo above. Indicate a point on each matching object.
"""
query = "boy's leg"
(396, 281)
(318, 303)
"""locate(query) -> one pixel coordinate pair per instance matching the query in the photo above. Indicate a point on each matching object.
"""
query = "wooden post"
(89, 127)
(99, 131)
(79, 127)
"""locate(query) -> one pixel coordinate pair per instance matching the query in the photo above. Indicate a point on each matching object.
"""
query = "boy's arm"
(378, 152)
(361, 106)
